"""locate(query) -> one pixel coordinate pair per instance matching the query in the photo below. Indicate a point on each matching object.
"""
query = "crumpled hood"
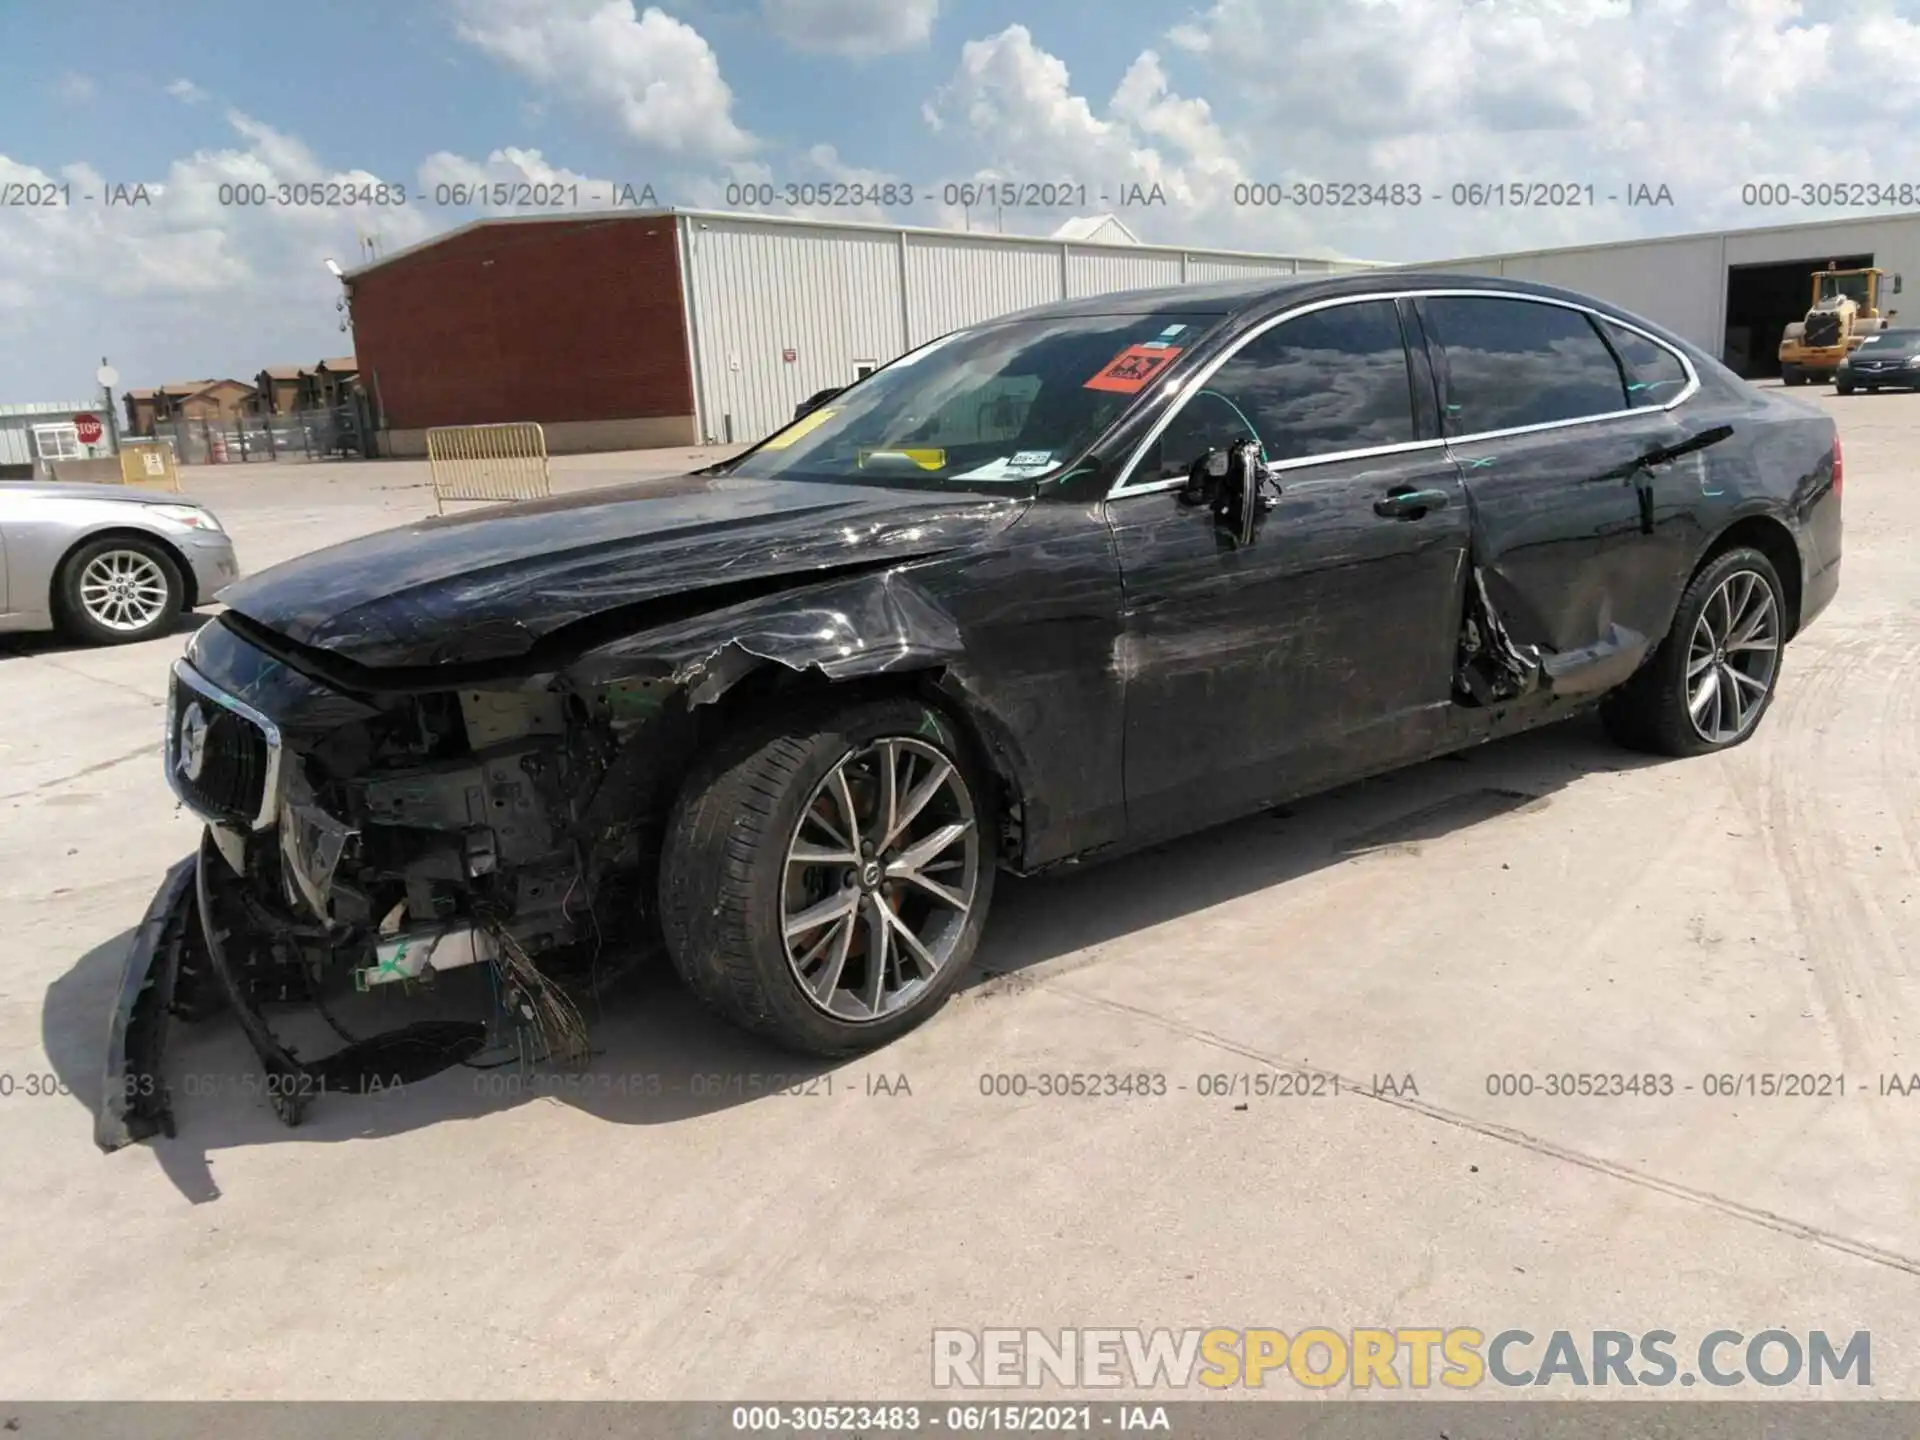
(488, 584)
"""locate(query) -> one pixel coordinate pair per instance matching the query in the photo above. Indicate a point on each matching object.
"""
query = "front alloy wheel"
(119, 589)
(882, 871)
(826, 873)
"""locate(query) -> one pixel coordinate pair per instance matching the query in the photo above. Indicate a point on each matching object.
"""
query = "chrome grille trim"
(185, 676)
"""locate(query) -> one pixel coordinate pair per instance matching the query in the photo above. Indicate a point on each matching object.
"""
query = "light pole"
(108, 378)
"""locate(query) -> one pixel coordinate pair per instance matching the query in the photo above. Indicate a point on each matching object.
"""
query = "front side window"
(1512, 363)
(1322, 383)
(1654, 373)
(997, 407)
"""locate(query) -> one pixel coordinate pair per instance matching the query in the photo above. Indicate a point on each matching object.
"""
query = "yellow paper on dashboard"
(799, 430)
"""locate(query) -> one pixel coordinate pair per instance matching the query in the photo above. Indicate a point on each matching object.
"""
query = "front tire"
(1845, 387)
(118, 590)
(1709, 684)
(1792, 375)
(826, 875)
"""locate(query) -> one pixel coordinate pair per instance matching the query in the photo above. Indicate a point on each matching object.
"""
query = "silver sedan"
(106, 564)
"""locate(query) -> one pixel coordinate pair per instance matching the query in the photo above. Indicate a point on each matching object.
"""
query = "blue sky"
(1199, 99)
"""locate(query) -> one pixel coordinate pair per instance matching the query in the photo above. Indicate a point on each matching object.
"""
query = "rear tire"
(758, 839)
(1710, 682)
(118, 590)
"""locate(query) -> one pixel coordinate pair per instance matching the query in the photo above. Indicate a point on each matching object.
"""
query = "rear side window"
(1511, 363)
(1654, 373)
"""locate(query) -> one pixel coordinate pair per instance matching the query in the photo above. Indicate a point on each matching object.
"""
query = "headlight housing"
(191, 516)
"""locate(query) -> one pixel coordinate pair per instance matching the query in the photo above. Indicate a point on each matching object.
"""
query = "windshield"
(1833, 287)
(997, 407)
(1903, 341)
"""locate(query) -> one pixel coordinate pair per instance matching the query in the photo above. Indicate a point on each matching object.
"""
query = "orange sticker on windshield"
(1131, 370)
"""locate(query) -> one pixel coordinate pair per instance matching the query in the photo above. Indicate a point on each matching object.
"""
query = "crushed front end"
(360, 843)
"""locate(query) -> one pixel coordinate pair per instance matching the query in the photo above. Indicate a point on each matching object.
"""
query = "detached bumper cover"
(134, 1103)
(134, 1100)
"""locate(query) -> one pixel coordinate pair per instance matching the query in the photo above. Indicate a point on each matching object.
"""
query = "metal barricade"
(488, 462)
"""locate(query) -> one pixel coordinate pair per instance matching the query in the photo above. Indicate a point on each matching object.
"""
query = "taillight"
(1836, 465)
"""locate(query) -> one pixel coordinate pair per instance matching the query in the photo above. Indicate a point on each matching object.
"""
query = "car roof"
(1233, 300)
(1232, 297)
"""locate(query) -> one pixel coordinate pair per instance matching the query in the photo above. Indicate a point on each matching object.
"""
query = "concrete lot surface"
(1548, 904)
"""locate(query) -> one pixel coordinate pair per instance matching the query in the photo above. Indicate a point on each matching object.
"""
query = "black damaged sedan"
(1055, 586)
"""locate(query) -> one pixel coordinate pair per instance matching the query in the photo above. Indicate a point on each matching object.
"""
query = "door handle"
(1407, 504)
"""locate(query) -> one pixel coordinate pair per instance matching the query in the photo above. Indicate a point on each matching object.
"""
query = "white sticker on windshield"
(1011, 467)
(1870, 340)
(1171, 331)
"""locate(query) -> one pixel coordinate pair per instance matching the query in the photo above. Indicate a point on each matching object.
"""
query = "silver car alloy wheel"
(1732, 657)
(124, 590)
(882, 871)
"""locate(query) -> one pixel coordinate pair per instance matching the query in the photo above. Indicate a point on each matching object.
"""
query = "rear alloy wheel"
(1711, 680)
(119, 590)
(825, 882)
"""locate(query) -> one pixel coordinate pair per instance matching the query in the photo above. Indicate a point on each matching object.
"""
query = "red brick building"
(575, 323)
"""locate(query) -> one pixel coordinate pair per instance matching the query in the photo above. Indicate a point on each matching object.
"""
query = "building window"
(58, 442)
(863, 368)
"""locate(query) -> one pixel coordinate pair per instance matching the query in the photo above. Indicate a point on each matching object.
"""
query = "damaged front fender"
(871, 624)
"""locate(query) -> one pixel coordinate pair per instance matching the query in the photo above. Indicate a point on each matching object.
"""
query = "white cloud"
(186, 91)
(192, 282)
(857, 28)
(509, 182)
(654, 78)
(1701, 95)
(1016, 104)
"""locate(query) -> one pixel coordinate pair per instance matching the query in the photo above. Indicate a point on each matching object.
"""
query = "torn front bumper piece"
(200, 928)
(134, 1103)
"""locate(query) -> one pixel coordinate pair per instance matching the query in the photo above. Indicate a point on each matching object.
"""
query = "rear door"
(1576, 544)
(1325, 647)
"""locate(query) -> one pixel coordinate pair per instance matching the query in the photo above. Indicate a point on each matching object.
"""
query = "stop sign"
(86, 429)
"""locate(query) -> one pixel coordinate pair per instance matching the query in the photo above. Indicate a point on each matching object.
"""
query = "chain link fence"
(342, 432)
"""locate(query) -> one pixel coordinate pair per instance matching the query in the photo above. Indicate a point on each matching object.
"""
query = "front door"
(1323, 649)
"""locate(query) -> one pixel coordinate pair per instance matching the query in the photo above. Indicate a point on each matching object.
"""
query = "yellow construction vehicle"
(1846, 309)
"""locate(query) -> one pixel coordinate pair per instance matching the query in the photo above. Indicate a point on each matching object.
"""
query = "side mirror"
(1205, 479)
(1243, 499)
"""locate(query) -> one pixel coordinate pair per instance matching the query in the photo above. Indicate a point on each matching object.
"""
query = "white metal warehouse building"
(1729, 291)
